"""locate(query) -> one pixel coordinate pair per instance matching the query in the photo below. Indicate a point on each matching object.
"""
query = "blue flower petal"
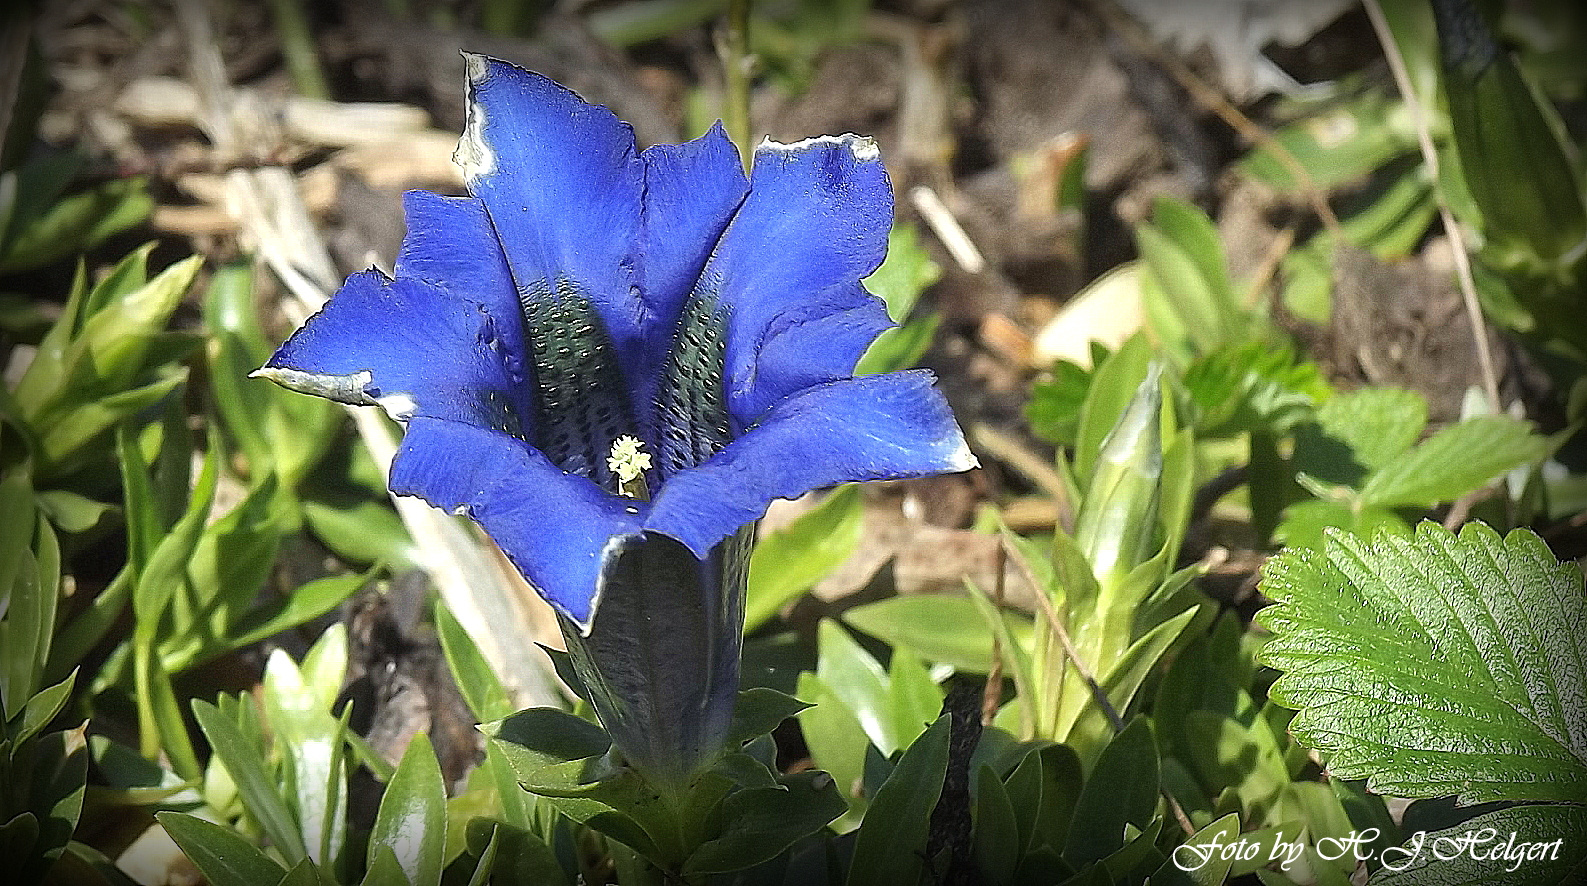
(691, 193)
(556, 528)
(409, 347)
(816, 342)
(815, 222)
(451, 245)
(563, 186)
(879, 427)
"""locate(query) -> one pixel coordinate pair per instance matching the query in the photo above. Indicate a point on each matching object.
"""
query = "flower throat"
(583, 409)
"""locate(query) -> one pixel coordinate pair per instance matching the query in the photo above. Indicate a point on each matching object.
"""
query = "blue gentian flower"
(613, 360)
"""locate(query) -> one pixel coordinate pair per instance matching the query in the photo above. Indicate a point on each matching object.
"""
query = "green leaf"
(790, 561)
(1055, 402)
(297, 702)
(1518, 846)
(384, 869)
(1113, 386)
(760, 710)
(166, 572)
(29, 621)
(1344, 143)
(76, 223)
(42, 708)
(1358, 432)
(942, 628)
(914, 697)
(859, 681)
(360, 530)
(997, 835)
(66, 439)
(261, 796)
(1189, 301)
(836, 740)
(411, 822)
(481, 688)
(762, 822)
(1122, 789)
(1457, 460)
(521, 857)
(308, 602)
(51, 773)
(72, 512)
(234, 556)
(1435, 664)
(1200, 855)
(1251, 386)
(891, 846)
(1508, 139)
(222, 855)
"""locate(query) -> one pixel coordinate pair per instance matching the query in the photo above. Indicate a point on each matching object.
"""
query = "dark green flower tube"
(661, 664)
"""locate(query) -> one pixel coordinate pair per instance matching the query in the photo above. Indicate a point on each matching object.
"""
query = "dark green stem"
(733, 48)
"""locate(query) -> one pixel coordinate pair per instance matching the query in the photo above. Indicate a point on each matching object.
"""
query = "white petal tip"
(863, 147)
(473, 156)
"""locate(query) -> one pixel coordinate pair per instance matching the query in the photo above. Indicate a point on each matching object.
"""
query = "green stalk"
(733, 48)
(297, 45)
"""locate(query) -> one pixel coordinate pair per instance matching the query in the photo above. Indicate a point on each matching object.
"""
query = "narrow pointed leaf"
(411, 823)
(223, 856)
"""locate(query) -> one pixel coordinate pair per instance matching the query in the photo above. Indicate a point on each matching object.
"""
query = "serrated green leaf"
(1055, 401)
(1458, 459)
(1358, 432)
(792, 560)
(891, 846)
(222, 855)
(1435, 664)
(1518, 846)
(1251, 386)
(411, 822)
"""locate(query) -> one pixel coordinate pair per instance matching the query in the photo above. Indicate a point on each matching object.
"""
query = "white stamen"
(629, 461)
